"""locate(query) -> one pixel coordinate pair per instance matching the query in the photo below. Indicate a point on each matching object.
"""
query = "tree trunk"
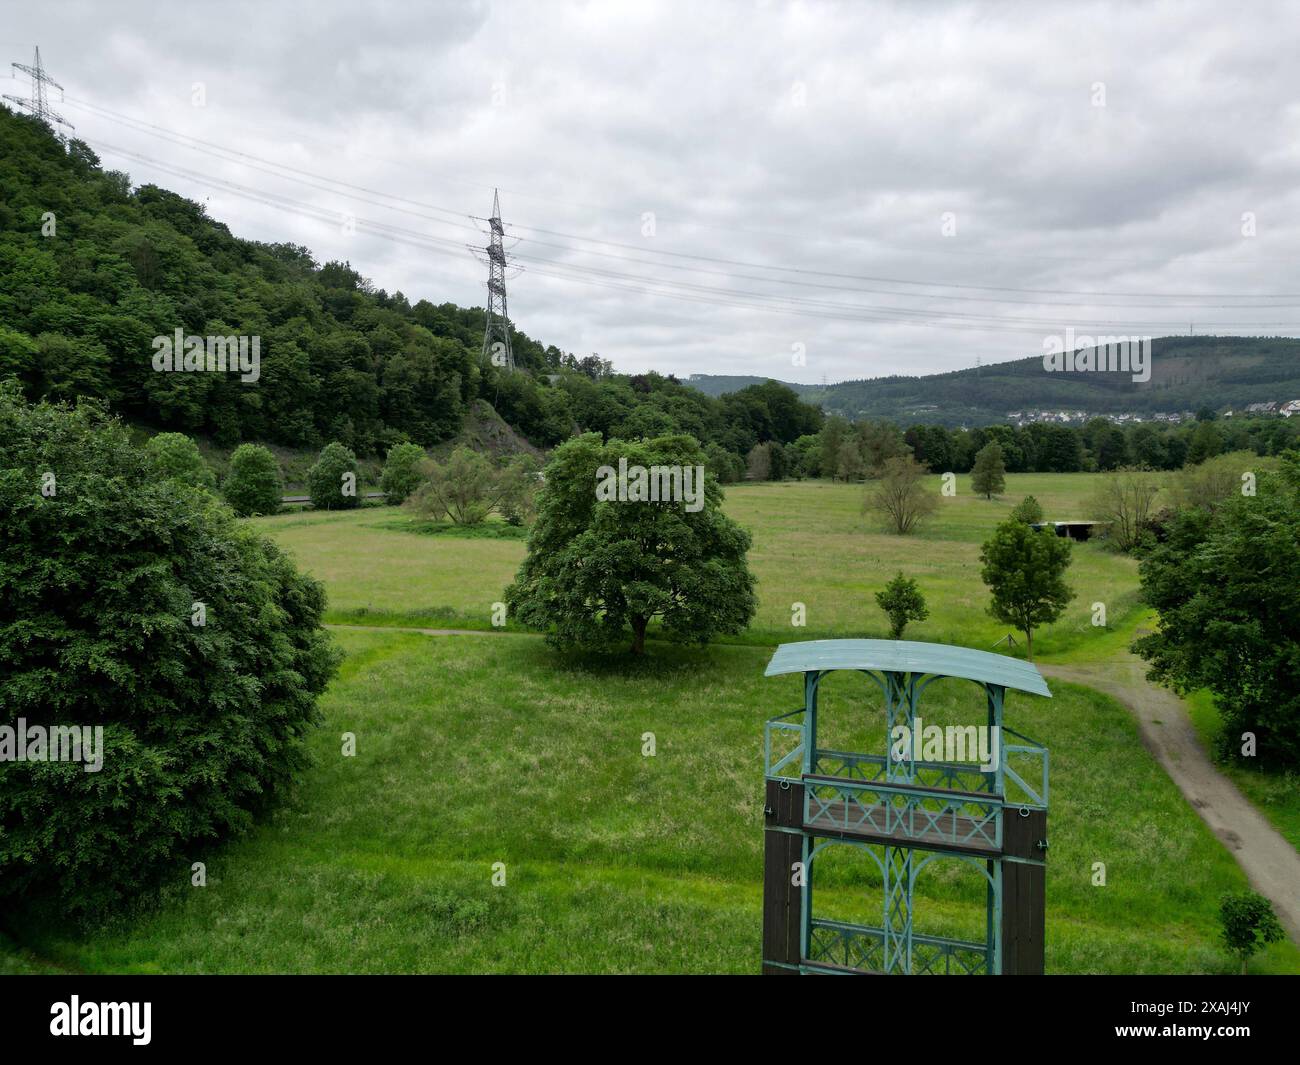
(638, 635)
(1029, 643)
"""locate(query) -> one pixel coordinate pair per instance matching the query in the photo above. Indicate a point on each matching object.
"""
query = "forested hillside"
(1187, 373)
(92, 270)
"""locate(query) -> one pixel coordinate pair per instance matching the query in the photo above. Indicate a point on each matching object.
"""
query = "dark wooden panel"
(794, 898)
(782, 901)
(1024, 895)
(785, 804)
(1021, 835)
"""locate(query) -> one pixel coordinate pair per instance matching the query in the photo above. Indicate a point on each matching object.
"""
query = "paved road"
(1270, 863)
(307, 499)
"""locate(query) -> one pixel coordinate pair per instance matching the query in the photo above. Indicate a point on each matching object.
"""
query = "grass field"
(473, 750)
(482, 749)
(812, 545)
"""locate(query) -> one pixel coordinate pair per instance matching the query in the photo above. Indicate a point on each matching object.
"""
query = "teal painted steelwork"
(920, 814)
(932, 805)
(906, 656)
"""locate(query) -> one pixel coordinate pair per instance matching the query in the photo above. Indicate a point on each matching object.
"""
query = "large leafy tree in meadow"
(599, 571)
(137, 604)
(1025, 571)
(1226, 583)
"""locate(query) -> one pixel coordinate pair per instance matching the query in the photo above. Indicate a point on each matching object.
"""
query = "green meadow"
(812, 545)
(489, 754)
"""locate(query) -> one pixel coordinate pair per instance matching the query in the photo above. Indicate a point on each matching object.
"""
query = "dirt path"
(1268, 860)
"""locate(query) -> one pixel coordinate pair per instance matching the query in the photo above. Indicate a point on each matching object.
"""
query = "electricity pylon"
(496, 331)
(39, 103)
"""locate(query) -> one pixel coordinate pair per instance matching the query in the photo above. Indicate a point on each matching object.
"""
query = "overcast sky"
(726, 188)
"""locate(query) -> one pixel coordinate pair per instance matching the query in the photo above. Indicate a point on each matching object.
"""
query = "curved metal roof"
(906, 656)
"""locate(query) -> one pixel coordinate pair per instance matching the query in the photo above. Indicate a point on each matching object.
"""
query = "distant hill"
(720, 384)
(1187, 373)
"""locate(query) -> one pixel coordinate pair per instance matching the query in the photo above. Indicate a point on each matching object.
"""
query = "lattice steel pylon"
(496, 330)
(39, 103)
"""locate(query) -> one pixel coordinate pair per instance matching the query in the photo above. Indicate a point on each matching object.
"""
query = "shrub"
(176, 455)
(1028, 510)
(901, 495)
(1248, 923)
(902, 602)
(401, 474)
(467, 488)
(253, 485)
(517, 491)
(1215, 481)
(100, 584)
(1125, 500)
(332, 482)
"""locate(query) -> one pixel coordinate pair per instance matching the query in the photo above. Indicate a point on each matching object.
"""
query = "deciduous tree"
(598, 572)
(902, 602)
(989, 477)
(1025, 571)
(901, 495)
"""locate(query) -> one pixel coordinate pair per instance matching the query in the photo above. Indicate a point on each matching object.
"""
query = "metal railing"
(903, 811)
(851, 946)
(785, 739)
(1031, 796)
(781, 730)
(955, 776)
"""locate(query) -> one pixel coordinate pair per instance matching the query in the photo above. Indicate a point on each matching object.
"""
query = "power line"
(692, 292)
(587, 206)
(1091, 301)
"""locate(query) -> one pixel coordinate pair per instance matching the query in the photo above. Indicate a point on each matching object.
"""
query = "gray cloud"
(795, 137)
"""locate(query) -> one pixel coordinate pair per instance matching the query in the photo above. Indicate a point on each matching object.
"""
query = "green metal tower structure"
(905, 813)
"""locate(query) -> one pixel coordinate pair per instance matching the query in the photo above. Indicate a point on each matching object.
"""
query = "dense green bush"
(328, 482)
(1028, 510)
(137, 604)
(176, 455)
(902, 602)
(401, 474)
(254, 484)
(1226, 584)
